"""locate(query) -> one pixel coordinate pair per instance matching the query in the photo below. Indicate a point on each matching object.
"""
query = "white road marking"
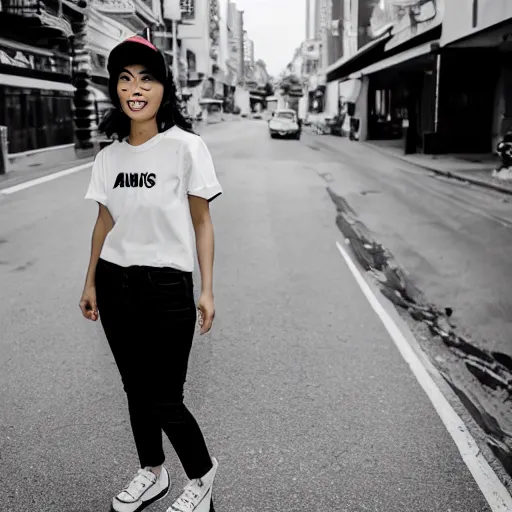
(49, 177)
(493, 490)
(39, 151)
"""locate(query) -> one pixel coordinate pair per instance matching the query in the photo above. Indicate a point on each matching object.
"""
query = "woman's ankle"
(156, 470)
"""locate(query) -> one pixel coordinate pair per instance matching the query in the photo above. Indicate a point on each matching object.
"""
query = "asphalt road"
(302, 395)
(453, 238)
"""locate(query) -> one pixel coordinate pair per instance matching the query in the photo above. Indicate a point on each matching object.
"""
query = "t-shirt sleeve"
(202, 179)
(97, 189)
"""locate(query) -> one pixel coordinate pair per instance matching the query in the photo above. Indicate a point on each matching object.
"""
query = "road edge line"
(492, 488)
(43, 179)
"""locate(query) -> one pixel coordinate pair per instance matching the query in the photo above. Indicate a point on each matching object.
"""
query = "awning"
(29, 48)
(34, 83)
(346, 65)
(349, 90)
(487, 37)
(413, 53)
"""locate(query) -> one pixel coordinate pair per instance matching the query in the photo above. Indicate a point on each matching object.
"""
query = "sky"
(277, 28)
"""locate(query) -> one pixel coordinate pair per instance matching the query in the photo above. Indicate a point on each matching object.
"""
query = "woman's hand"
(88, 303)
(206, 309)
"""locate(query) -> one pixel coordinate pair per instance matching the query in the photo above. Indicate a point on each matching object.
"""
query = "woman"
(153, 186)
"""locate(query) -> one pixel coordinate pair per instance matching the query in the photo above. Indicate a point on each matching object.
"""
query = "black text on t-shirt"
(134, 179)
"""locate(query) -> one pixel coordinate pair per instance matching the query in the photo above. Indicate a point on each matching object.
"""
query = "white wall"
(458, 17)
(196, 37)
(242, 100)
(331, 99)
(362, 108)
(351, 10)
(103, 33)
(223, 35)
(297, 63)
(303, 107)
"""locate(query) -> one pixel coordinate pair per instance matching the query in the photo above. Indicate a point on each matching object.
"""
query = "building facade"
(236, 41)
(36, 73)
(434, 73)
(248, 51)
(386, 77)
(53, 78)
(53, 57)
(107, 24)
(194, 34)
(476, 73)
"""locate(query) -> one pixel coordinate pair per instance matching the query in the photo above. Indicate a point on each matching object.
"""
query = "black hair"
(115, 121)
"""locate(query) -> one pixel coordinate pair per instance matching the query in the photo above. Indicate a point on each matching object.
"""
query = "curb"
(446, 174)
(12, 157)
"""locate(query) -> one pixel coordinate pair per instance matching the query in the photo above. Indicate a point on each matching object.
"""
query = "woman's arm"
(104, 224)
(203, 227)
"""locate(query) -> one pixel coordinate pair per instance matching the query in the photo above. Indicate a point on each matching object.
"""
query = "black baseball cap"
(137, 50)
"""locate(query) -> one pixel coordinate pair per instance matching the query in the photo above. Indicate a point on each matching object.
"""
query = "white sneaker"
(197, 495)
(142, 491)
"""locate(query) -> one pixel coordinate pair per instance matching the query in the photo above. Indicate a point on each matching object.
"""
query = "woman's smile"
(136, 105)
(140, 94)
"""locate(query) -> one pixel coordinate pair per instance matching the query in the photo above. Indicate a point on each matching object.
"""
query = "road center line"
(493, 490)
(43, 179)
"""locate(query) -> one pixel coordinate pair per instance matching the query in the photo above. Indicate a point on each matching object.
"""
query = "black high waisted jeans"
(149, 315)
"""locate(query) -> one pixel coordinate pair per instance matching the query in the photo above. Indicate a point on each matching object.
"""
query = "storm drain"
(491, 369)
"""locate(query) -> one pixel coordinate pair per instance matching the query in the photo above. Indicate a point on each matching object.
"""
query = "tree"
(261, 64)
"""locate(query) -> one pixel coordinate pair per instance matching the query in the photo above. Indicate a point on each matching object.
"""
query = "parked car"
(284, 123)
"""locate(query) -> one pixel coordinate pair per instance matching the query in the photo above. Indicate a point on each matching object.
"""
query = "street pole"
(175, 55)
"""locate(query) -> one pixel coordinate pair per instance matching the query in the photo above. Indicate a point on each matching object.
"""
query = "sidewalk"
(24, 168)
(475, 169)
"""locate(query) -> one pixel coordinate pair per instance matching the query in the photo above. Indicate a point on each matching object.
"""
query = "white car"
(284, 123)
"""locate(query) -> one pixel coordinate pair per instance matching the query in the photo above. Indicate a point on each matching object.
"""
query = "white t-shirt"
(146, 190)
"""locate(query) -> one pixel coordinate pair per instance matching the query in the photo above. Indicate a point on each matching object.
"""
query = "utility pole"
(175, 54)
(171, 11)
(475, 13)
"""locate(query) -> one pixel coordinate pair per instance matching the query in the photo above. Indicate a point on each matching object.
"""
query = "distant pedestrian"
(153, 186)
(504, 150)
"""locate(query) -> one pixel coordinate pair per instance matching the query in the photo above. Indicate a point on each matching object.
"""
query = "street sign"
(172, 10)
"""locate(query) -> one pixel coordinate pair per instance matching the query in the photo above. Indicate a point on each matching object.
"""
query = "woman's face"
(139, 92)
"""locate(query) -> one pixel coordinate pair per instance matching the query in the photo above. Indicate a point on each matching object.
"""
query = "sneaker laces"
(189, 497)
(139, 483)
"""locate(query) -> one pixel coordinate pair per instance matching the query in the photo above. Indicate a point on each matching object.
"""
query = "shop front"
(476, 75)
(402, 100)
(36, 96)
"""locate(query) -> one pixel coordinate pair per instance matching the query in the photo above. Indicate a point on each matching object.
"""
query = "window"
(187, 9)
(285, 115)
(102, 61)
(191, 60)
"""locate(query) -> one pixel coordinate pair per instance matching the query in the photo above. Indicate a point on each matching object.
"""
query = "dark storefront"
(36, 118)
(401, 103)
(466, 100)
(36, 94)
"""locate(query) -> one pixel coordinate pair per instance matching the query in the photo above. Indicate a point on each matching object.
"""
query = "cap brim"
(131, 53)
